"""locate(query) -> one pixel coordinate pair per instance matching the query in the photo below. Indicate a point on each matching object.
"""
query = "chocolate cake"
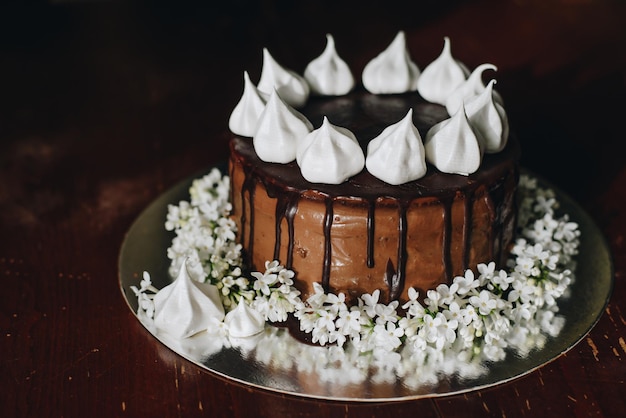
(365, 234)
(340, 191)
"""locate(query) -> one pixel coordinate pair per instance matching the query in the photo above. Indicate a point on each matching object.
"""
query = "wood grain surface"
(104, 105)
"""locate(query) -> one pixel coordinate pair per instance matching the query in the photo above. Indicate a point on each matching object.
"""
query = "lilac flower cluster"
(478, 315)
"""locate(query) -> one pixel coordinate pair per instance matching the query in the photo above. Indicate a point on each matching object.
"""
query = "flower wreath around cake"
(480, 314)
(477, 315)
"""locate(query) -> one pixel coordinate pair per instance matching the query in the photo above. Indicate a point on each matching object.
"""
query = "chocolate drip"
(496, 220)
(279, 215)
(286, 208)
(447, 237)
(231, 189)
(249, 187)
(391, 278)
(371, 226)
(402, 252)
(467, 227)
(492, 215)
(328, 223)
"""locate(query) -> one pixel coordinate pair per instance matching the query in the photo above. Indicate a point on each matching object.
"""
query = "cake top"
(327, 155)
(369, 117)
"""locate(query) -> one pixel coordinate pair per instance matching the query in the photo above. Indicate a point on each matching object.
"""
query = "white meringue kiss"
(452, 145)
(245, 116)
(489, 120)
(397, 156)
(292, 87)
(441, 76)
(392, 71)
(330, 154)
(185, 307)
(471, 87)
(244, 321)
(328, 74)
(279, 130)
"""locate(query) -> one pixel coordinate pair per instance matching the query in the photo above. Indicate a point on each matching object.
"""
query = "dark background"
(104, 105)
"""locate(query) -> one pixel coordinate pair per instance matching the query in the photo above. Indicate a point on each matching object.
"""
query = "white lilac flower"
(466, 334)
(278, 308)
(145, 300)
(502, 280)
(387, 336)
(433, 300)
(349, 321)
(448, 330)
(264, 281)
(386, 313)
(522, 289)
(447, 293)
(146, 305)
(454, 312)
(413, 307)
(567, 231)
(527, 182)
(521, 312)
(544, 203)
(410, 324)
(286, 277)
(319, 335)
(318, 298)
(225, 229)
(466, 283)
(307, 320)
(526, 266)
(227, 282)
(470, 314)
(336, 303)
(418, 342)
(326, 320)
(337, 337)
(146, 283)
(542, 230)
(498, 324)
(484, 302)
(370, 301)
(439, 331)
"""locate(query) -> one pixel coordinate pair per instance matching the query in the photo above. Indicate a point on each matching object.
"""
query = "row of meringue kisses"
(332, 154)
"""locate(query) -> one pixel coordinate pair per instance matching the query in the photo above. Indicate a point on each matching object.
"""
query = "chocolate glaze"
(398, 284)
(467, 227)
(367, 115)
(328, 223)
(447, 234)
(371, 228)
(249, 187)
(286, 208)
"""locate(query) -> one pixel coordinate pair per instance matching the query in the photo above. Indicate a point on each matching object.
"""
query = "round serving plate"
(278, 362)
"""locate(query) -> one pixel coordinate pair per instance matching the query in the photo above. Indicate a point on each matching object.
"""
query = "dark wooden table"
(105, 105)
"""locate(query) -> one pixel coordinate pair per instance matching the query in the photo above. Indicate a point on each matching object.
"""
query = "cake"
(370, 218)
(356, 224)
